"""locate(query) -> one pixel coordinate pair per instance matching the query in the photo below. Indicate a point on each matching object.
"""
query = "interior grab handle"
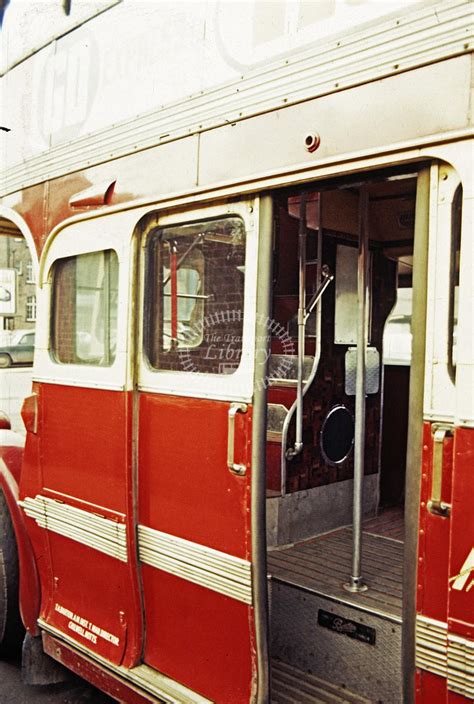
(327, 276)
(435, 504)
(235, 408)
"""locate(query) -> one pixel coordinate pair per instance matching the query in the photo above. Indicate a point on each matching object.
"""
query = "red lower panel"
(195, 635)
(430, 689)
(444, 553)
(185, 486)
(85, 441)
(92, 599)
(433, 561)
(457, 698)
(84, 451)
(198, 637)
(461, 591)
(93, 673)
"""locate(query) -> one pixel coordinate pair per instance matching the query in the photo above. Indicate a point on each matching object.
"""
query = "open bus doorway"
(17, 321)
(341, 633)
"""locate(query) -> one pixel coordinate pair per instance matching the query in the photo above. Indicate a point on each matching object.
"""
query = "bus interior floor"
(317, 626)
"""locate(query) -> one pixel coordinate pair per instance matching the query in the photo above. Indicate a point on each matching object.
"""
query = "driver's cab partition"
(316, 494)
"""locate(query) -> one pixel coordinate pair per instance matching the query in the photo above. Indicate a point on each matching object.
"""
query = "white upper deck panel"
(139, 72)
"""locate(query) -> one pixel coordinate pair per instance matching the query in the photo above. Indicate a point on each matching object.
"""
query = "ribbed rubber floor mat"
(322, 565)
(293, 686)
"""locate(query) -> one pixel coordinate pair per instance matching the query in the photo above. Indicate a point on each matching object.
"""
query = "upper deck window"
(195, 295)
(84, 319)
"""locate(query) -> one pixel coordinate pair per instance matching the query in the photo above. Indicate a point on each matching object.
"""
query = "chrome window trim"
(227, 387)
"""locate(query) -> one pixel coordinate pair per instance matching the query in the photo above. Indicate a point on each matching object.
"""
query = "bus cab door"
(198, 466)
(77, 474)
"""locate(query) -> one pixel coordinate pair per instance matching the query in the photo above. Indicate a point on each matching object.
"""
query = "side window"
(194, 296)
(84, 315)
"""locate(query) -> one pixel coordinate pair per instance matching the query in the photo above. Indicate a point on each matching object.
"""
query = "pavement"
(75, 691)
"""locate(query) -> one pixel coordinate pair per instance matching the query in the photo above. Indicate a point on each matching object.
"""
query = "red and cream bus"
(248, 466)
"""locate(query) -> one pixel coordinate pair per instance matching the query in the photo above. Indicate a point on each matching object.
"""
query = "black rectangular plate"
(346, 627)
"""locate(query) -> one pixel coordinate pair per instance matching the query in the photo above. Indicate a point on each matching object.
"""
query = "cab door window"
(194, 293)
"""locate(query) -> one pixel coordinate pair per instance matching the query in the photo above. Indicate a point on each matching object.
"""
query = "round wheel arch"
(11, 627)
(29, 585)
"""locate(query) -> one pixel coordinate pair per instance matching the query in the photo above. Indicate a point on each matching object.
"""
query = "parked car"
(19, 351)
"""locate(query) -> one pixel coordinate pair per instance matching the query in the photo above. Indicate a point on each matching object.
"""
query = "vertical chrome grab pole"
(317, 352)
(356, 583)
(301, 323)
(298, 446)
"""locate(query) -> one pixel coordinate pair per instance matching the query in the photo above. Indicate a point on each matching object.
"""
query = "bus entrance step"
(357, 649)
(293, 686)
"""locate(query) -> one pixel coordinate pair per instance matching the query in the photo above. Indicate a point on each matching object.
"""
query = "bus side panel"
(430, 689)
(461, 590)
(445, 571)
(195, 633)
(85, 495)
(198, 637)
(432, 598)
(185, 487)
(461, 566)
(83, 438)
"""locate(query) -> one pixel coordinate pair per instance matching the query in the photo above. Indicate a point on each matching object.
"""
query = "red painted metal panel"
(430, 689)
(444, 549)
(198, 637)
(433, 555)
(29, 592)
(185, 487)
(432, 597)
(81, 456)
(461, 558)
(454, 698)
(30, 485)
(12, 455)
(92, 602)
(85, 444)
(93, 672)
(461, 591)
(31, 205)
